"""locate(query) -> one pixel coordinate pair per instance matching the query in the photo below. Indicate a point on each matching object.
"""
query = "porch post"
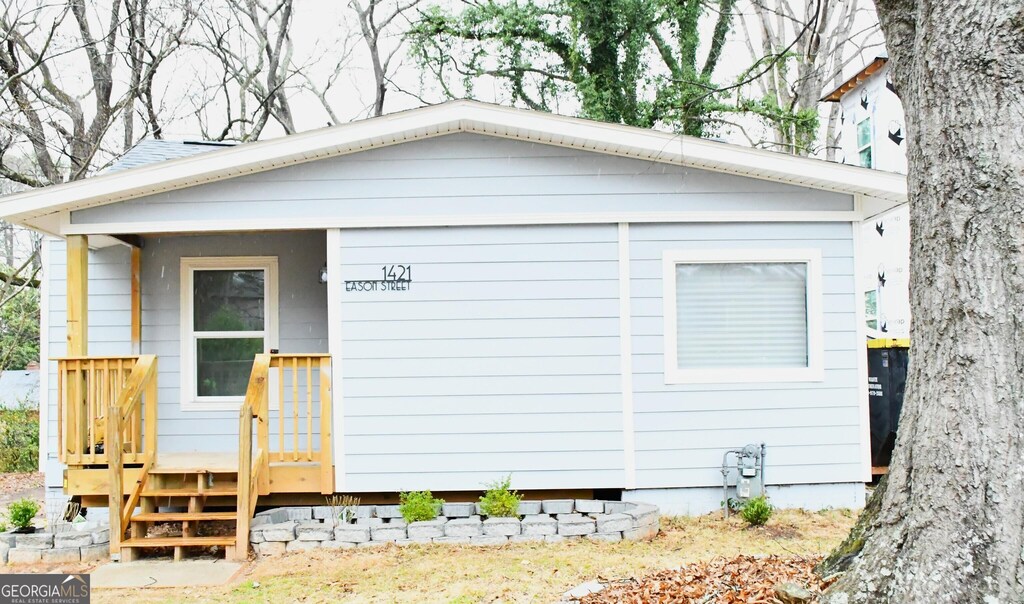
(78, 295)
(136, 300)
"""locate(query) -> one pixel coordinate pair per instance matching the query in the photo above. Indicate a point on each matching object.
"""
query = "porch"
(122, 452)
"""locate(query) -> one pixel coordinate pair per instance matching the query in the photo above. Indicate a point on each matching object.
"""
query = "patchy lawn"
(511, 573)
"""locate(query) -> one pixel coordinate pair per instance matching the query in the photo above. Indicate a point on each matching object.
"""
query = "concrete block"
(100, 535)
(4, 548)
(62, 554)
(337, 545)
(611, 523)
(453, 540)
(364, 521)
(93, 553)
(24, 556)
(256, 536)
(35, 541)
(284, 531)
(388, 511)
(572, 516)
(642, 513)
(558, 506)
(539, 525)
(86, 527)
(617, 507)
(271, 548)
(463, 527)
(504, 527)
(589, 506)
(609, 537)
(529, 508)
(8, 538)
(373, 544)
(365, 511)
(458, 510)
(274, 516)
(526, 538)
(554, 538)
(315, 531)
(426, 529)
(323, 512)
(396, 522)
(352, 534)
(489, 540)
(479, 509)
(644, 532)
(576, 526)
(299, 513)
(297, 546)
(72, 539)
(387, 532)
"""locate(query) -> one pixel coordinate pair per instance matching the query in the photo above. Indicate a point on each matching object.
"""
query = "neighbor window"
(864, 143)
(871, 308)
(228, 317)
(742, 316)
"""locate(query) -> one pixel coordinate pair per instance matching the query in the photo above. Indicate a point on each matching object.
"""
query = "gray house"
(440, 297)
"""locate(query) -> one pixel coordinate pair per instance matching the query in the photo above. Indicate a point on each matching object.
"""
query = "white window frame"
(813, 372)
(190, 400)
(871, 140)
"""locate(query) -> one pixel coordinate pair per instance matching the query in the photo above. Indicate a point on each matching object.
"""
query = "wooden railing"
(251, 476)
(303, 393)
(86, 388)
(121, 420)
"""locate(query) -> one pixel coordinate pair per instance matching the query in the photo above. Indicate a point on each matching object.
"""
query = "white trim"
(863, 396)
(44, 352)
(187, 375)
(626, 357)
(321, 222)
(334, 345)
(814, 372)
(448, 118)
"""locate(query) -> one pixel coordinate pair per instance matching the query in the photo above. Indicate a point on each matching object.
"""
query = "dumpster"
(887, 380)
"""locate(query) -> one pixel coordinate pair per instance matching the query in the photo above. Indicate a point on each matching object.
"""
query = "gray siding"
(812, 428)
(465, 174)
(502, 357)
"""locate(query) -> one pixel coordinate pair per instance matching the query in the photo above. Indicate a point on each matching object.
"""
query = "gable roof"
(41, 208)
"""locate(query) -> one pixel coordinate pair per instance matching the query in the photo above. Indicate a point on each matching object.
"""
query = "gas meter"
(748, 467)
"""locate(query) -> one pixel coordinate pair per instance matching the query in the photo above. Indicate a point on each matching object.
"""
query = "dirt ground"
(511, 573)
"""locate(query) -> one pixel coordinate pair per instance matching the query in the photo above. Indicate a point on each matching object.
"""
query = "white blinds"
(741, 315)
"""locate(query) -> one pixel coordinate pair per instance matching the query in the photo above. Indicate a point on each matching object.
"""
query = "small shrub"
(419, 505)
(343, 507)
(22, 512)
(19, 439)
(757, 510)
(499, 500)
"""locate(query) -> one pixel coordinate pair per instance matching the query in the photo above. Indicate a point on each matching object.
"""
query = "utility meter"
(748, 467)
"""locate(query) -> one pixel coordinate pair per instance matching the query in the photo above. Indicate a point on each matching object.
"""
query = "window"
(871, 308)
(228, 316)
(742, 316)
(864, 143)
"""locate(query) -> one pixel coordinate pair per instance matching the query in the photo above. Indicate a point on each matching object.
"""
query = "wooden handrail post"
(115, 468)
(244, 480)
(326, 419)
(77, 334)
(151, 413)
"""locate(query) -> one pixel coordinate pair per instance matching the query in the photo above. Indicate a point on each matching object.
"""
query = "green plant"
(419, 505)
(343, 507)
(757, 510)
(22, 512)
(499, 500)
(19, 439)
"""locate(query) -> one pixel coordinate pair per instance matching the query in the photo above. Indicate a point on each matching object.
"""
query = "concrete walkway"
(164, 573)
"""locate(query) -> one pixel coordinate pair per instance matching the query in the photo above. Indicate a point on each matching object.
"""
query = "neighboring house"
(874, 136)
(20, 387)
(453, 294)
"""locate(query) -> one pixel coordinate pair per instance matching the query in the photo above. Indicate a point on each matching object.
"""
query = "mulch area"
(18, 482)
(740, 580)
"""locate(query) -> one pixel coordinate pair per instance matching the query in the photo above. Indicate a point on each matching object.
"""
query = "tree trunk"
(951, 524)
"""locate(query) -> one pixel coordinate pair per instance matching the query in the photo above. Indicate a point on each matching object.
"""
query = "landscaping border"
(288, 529)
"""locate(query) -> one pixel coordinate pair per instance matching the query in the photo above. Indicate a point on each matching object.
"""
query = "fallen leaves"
(739, 580)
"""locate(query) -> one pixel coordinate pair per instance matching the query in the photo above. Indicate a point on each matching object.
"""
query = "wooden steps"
(182, 541)
(183, 516)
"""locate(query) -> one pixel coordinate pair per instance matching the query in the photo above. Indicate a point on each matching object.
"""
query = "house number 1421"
(397, 272)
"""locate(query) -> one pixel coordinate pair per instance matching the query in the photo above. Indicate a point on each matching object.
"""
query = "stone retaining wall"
(79, 542)
(301, 528)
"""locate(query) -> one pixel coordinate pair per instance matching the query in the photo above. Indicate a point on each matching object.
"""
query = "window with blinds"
(744, 314)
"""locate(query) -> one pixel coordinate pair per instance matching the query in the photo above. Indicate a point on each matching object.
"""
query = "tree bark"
(951, 525)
